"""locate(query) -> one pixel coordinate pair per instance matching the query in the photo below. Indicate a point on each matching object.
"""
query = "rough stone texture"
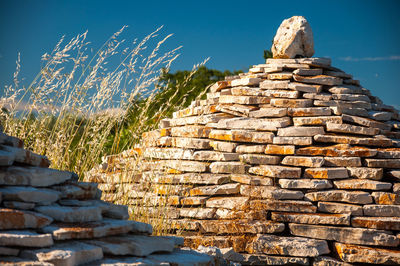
(361, 254)
(44, 211)
(293, 38)
(294, 143)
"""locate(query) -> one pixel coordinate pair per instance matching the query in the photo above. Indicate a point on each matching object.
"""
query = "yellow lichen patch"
(280, 149)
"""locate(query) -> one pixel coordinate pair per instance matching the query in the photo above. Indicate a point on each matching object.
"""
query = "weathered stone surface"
(268, 112)
(17, 261)
(228, 167)
(106, 227)
(337, 151)
(6, 158)
(353, 140)
(293, 38)
(350, 129)
(305, 87)
(280, 76)
(386, 198)
(342, 161)
(79, 190)
(345, 234)
(188, 178)
(300, 131)
(308, 72)
(361, 254)
(133, 245)
(21, 155)
(19, 205)
(357, 197)
(326, 173)
(328, 261)
(240, 226)
(245, 82)
(291, 246)
(69, 253)
(168, 153)
(385, 163)
(242, 136)
(320, 80)
(274, 84)
(269, 124)
(293, 103)
(362, 184)
(309, 111)
(269, 192)
(305, 183)
(389, 153)
(219, 85)
(192, 131)
(25, 239)
(226, 189)
(382, 210)
(384, 223)
(223, 146)
(231, 99)
(335, 207)
(301, 141)
(215, 156)
(366, 173)
(318, 96)
(280, 149)
(261, 259)
(15, 219)
(71, 214)
(303, 161)
(251, 148)
(8, 252)
(30, 194)
(197, 213)
(283, 205)
(315, 120)
(365, 122)
(311, 218)
(231, 203)
(276, 171)
(259, 159)
(252, 180)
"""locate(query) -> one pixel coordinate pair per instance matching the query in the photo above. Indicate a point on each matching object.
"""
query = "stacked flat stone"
(48, 217)
(292, 162)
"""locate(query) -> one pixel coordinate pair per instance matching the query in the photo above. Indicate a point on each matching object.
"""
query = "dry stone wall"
(291, 163)
(48, 217)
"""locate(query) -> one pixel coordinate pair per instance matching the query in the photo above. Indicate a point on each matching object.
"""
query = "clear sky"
(361, 37)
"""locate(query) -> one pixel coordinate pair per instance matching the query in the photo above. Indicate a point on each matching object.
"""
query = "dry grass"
(83, 105)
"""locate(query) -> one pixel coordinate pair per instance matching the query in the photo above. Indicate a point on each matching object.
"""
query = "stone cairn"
(48, 217)
(291, 163)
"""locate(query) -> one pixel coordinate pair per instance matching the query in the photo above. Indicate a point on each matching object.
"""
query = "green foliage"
(267, 54)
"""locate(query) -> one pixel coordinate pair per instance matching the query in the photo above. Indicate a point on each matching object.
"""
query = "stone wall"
(292, 162)
(48, 217)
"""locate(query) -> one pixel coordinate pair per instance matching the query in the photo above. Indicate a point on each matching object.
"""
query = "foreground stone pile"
(292, 162)
(48, 217)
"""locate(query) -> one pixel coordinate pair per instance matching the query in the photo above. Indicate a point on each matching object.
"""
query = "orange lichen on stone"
(337, 151)
(280, 149)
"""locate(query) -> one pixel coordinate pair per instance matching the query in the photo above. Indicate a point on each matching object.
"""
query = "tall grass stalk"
(83, 105)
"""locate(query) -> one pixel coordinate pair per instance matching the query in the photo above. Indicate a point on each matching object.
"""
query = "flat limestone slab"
(231, 203)
(335, 207)
(386, 198)
(106, 227)
(71, 214)
(356, 197)
(305, 183)
(276, 171)
(340, 150)
(30, 194)
(382, 210)
(289, 246)
(32, 176)
(240, 227)
(270, 192)
(135, 245)
(17, 219)
(261, 259)
(326, 173)
(25, 239)
(303, 161)
(283, 205)
(362, 184)
(299, 131)
(68, 253)
(311, 218)
(361, 254)
(346, 234)
(384, 223)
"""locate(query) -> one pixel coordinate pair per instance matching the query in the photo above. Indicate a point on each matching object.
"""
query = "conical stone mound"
(292, 162)
(48, 217)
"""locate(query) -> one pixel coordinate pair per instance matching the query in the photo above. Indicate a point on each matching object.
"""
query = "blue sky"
(361, 37)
